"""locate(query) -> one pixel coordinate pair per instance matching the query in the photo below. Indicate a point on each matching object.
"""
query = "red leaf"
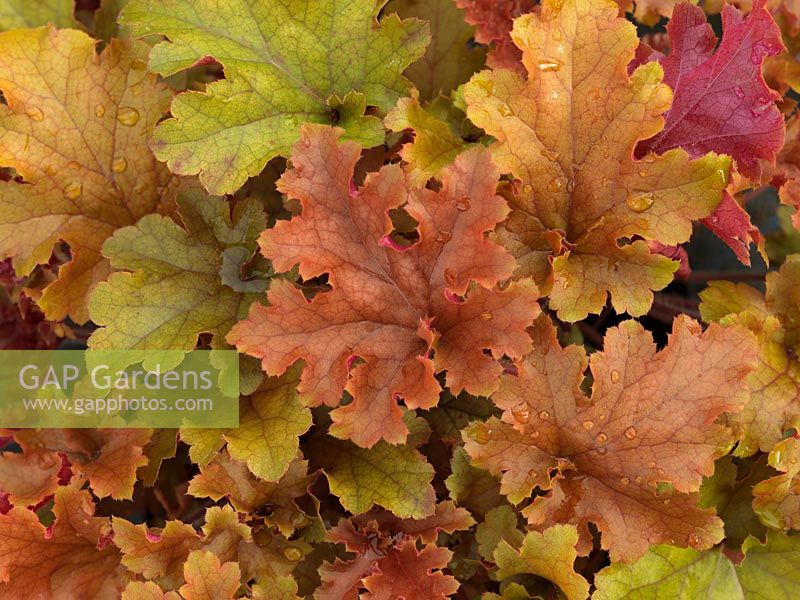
(721, 102)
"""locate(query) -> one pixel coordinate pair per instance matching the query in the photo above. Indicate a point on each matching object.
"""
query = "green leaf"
(669, 572)
(174, 291)
(270, 425)
(286, 63)
(435, 145)
(500, 525)
(19, 14)
(550, 554)
(451, 58)
(474, 488)
(394, 477)
(770, 570)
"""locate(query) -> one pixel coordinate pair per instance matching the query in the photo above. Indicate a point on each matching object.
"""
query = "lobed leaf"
(284, 66)
(390, 305)
(585, 208)
(75, 130)
(604, 459)
(774, 385)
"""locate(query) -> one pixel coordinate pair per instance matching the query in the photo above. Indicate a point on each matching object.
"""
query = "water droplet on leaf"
(550, 155)
(527, 189)
(588, 425)
(571, 185)
(521, 413)
(292, 553)
(555, 185)
(614, 376)
(73, 190)
(487, 315)
(601, 438)
(630, 433)
(544, 415)
(640, 201)
(463, 204)
(505, 110)
(119, 165)
(35, 114)
(486, 86)
(99, 110)
(482, 434)
(128, 116)
(625, 481)
(549, 65)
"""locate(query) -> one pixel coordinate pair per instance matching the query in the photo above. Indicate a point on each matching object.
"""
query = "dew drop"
(644, 173)
(571, 185)
(638, 479)
(527, 188)
(73, 190)
(35, 114)
(792, 461)
(587, 425)
(555, 185)
(548, 65)
(463, 204)
(552, 96)
(533, 474)
(486, 86)
(521, 413)
(544, 415)
(444, 236)
(128, 116)
(505, 110)
(614, 376)
(292, 553)
(535, 434)
(119, 165)
(630, 433)
(99, 110)
(601, 438)
(625, 481)
(482, 434)
(739, 92)
(487, 315)
(640, 201)
(550, 155)
(652, 464)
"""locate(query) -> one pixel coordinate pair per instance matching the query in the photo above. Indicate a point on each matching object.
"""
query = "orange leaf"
(631, 457)
(29, 477)
(71, 559)
(75, 129)
(585, 209)
(390, 304)
(207, 579)
(387, 562)
(107, 457)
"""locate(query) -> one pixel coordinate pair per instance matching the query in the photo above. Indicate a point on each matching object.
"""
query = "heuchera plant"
(515, 286)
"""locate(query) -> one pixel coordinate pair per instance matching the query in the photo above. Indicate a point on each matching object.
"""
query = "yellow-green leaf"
(174, 289)
(18, 14)
(284, 61)
(550, 554)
